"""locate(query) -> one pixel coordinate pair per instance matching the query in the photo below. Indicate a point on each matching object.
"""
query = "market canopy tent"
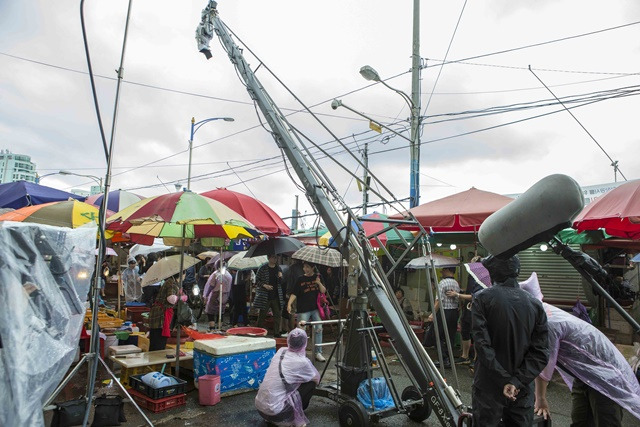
(375, 229)
(259, 214)
(460, 212)
(22, 193)
(617, 212)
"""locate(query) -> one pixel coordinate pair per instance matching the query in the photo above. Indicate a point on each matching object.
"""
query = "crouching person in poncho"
(288, 384)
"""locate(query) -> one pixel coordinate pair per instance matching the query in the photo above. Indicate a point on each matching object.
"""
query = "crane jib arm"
(442, 398)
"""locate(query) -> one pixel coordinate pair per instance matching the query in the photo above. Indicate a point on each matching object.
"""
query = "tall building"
(16, 167)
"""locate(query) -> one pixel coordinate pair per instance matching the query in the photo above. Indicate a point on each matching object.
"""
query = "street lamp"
(369, 73)
(194, 128)
(97, 179)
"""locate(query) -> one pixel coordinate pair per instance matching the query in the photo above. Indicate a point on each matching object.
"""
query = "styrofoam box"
(234, 344)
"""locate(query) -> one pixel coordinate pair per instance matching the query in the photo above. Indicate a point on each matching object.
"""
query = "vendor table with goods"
(138, 363)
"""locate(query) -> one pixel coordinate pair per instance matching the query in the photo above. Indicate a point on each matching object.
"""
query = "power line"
(435, 83)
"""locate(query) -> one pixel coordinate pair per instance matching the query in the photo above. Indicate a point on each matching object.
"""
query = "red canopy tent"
(259, 214)
(460, 212)
(617, 212)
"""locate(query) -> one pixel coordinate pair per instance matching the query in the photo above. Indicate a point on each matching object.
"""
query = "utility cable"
(614, 163)
(446, 55)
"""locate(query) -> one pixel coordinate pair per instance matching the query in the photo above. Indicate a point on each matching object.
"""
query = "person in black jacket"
(509, 330)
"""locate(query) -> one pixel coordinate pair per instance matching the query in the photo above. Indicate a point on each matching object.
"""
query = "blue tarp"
(19, 194)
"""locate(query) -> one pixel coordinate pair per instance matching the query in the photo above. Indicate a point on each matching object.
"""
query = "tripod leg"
(65, 381)
(124, 390)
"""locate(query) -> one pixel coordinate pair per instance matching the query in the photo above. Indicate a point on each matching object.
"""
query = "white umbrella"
(158, 246)
(439, 261)
(207, 254)
(109, 251)
(167, 267)
(239, 262)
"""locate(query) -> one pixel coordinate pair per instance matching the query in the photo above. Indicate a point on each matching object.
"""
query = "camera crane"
(431, 391)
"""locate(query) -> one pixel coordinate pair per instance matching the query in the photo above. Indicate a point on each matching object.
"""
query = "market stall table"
(147, 362)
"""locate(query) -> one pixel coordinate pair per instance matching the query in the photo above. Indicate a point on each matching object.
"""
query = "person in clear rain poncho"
(131, 282)
(288, 384)
(600, 378)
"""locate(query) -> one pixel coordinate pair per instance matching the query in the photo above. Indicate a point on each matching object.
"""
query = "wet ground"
(239, 410)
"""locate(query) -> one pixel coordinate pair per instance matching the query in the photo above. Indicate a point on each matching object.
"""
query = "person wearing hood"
(131, 281)
(600, 378)
(288, 384)
(509, 329)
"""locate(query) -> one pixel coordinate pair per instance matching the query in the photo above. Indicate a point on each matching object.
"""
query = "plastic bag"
(45, 274)
(381, 395)
(323, 306)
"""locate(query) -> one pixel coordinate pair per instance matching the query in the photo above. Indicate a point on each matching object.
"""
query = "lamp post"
(369, 73)
(97, 179)
(194, 128)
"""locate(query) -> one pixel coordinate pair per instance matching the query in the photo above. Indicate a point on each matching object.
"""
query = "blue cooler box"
(241, 362)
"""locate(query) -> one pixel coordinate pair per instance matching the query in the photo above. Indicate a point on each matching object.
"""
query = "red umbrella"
(259, 214)
(617, 211)
(459, 212)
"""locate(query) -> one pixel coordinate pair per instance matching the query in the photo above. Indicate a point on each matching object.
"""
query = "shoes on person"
(447, 364)
(320, 357)
(285, 335)
(462, 361)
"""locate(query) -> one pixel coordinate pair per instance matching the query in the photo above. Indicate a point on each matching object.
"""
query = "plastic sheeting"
(377, 388)
(578, 349)
(589, 355)
(45, 274)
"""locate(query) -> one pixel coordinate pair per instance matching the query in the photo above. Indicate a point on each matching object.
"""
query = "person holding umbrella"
(305, 294)
(161, 314)
(269, 293)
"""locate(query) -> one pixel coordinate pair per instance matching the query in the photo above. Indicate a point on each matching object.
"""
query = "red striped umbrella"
(617, 212)
(261, 215)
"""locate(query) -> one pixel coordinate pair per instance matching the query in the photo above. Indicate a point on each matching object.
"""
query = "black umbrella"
(276, 245)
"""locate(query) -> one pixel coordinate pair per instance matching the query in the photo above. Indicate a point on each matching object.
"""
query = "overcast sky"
(317, 49)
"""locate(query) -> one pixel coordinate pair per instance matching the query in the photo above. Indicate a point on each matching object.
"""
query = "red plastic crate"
(159, 405)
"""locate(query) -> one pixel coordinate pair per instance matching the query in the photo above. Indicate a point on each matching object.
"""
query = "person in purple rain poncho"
(289, 383)
(600, 379)
(211, 294)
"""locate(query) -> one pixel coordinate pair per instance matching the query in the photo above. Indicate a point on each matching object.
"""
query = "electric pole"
(415, 110)
(365, 179)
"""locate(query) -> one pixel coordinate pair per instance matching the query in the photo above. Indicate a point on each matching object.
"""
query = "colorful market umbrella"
(617, 212)
(118, 200)
(70, 213)
(392, 237)
(259, 214)
(319, 255)
(463, 211)
(182, 214)
(240, 262)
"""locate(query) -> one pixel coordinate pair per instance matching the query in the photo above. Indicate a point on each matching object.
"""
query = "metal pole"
(365, 179)
(414, 190)
(95, 337)
(193, 122)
